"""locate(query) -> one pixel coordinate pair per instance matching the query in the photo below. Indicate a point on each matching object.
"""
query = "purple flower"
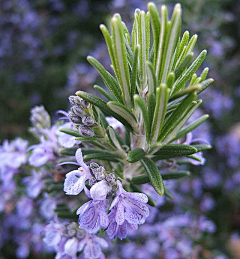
(130, 206)
(42, 153)
(92, 215)
(75, 180)
(64, 139)
(34, 183)
(117, 230)
(92, 247)
(128, 209)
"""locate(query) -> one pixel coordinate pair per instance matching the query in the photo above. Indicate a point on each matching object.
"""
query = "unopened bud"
(111, 178)
(86, 131)
(99, 173)
(74, 100)
(94, 165)
(99, 176)
(85, 104)
(74, 118)
(78, 110)
(88, 121)
(92, 181)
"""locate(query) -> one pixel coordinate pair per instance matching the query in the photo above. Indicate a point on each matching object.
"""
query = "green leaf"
(204, 74)
(171, 42)
(190, 71)
(174, 150)
(124, 112)
(154, 175)
(163, 32)
(108, 79)
(113, 137)
(181, 123)
(102, 105)
(185, 91)
(134, 72)
(152, 81)
(202, 147)
(162, 94)
(120, 54)
(135, 155)
(184, 41)
(71, 132)
(151, 106)
(168, 194)
(205, 84)
(136, 188)
(194, 158)
(175, 175)
(104, 93)
(87, 139)
(170, 80)
(104, 155)
(191, 127)
(156, 25)
(177, 116)
(139, 101)
(109, 43)
(142, 179)
(183, 65)
(68, 151)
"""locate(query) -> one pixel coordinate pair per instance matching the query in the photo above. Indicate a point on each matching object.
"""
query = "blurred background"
(43, 49)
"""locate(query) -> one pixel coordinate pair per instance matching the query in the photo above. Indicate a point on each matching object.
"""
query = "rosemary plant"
(152, 91)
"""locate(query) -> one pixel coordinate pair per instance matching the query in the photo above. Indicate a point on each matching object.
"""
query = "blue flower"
(128, 209)
(92, 215)
(75, 180)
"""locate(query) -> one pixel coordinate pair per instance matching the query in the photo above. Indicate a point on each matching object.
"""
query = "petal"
(102, 242)
(112, 229)
(114, 202)
(66, 140)
(92, 250)
(71, 246)
(104, 221)
(122, 231)
(81, 244)
(141, 197)
(135, 212)
(83, 208)
(79, 159)
(100, 190)
(74, 182)
(89, 220)
(133, 226)
(120, 214)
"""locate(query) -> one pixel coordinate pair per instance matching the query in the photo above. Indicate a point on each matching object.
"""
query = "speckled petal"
(120, 214)
(141, 197)
(74, 182)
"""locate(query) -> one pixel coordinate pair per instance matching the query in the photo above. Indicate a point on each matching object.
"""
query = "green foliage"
(153, 91)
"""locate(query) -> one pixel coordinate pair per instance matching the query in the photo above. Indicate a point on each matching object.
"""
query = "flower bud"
(74, 118)
(78, 110)
(93, 165)
(99, 173)
(85, 104)
(88, 121)
(86, 131)
(111, 178)
(92, 181)
(74, 100)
